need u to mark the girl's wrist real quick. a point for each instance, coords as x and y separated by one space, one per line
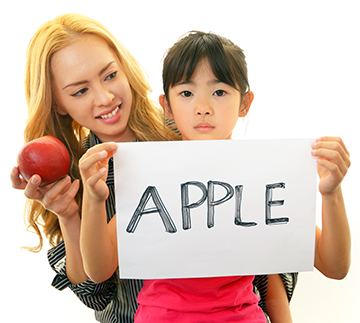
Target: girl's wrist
334 196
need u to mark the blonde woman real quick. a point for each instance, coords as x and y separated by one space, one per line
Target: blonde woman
82 85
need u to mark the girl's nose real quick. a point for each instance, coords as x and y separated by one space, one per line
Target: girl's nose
203 108
103 97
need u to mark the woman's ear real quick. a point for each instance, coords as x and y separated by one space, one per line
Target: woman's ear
165 105
246 104
59 109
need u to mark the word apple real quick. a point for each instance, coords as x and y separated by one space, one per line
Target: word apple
45 156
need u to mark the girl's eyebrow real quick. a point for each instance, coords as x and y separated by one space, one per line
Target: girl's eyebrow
190 82
83 82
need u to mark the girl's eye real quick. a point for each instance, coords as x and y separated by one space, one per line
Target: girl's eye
186 94
219 93
80 93
111 76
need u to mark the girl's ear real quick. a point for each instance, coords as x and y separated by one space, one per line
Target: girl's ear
165 105
246 103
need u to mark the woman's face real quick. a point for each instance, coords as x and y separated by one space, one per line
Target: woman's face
90 85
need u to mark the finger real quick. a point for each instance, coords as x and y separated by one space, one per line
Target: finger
334 146
97 153
333 157
66 203
54 192
68 199
88 161
17 181
32 188
334 139
107 146
333 169
95 178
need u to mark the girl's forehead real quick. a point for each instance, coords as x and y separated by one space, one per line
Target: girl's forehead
202 68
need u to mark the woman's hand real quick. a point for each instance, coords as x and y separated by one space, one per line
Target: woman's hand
333 163
56 197
94 169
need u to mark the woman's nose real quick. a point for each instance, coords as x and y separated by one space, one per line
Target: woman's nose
103 97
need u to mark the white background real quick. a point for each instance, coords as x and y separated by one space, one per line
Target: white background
303 60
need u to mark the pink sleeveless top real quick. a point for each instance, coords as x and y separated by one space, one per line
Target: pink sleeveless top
218 299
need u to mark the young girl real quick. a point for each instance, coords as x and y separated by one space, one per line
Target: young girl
206 91
83 87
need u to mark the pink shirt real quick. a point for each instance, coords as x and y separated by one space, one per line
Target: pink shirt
218 299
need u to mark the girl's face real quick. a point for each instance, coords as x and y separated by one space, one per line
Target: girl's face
91 86
205 108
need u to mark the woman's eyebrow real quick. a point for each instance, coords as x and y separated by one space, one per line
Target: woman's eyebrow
85 81
106 67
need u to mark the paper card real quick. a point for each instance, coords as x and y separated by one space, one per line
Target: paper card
215 208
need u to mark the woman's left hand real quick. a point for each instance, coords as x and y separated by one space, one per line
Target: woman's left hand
333 163
93 167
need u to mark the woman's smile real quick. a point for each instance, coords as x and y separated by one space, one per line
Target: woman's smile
112 116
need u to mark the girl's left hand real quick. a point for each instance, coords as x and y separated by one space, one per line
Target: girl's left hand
333 163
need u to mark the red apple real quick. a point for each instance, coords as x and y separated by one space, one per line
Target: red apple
47 157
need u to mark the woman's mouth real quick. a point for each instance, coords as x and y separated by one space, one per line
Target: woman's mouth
111 114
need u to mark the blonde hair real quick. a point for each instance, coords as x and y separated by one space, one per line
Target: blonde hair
146 119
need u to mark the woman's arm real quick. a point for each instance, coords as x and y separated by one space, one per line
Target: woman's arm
333 242
59 199
98 242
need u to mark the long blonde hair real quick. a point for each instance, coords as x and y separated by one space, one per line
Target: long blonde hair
146 119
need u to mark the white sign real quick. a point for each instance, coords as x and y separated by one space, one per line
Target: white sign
215 208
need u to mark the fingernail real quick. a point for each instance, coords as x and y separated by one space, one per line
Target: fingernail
34 180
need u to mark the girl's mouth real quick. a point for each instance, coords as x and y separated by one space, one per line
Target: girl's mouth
204 127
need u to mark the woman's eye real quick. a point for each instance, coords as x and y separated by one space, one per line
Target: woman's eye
219 93
111 76
80 93
186 94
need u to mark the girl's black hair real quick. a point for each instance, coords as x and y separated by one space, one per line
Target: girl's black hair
226 60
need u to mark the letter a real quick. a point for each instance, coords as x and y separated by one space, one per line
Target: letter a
159 208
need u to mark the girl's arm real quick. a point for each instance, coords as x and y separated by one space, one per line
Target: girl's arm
277 303
98 243
333 243
59 199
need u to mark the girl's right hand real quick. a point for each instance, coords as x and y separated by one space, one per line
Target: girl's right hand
93 167
56 197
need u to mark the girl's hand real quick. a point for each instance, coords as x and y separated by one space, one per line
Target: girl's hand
56 197
333 163
94 169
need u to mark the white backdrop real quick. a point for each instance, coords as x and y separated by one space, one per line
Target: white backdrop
304 69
